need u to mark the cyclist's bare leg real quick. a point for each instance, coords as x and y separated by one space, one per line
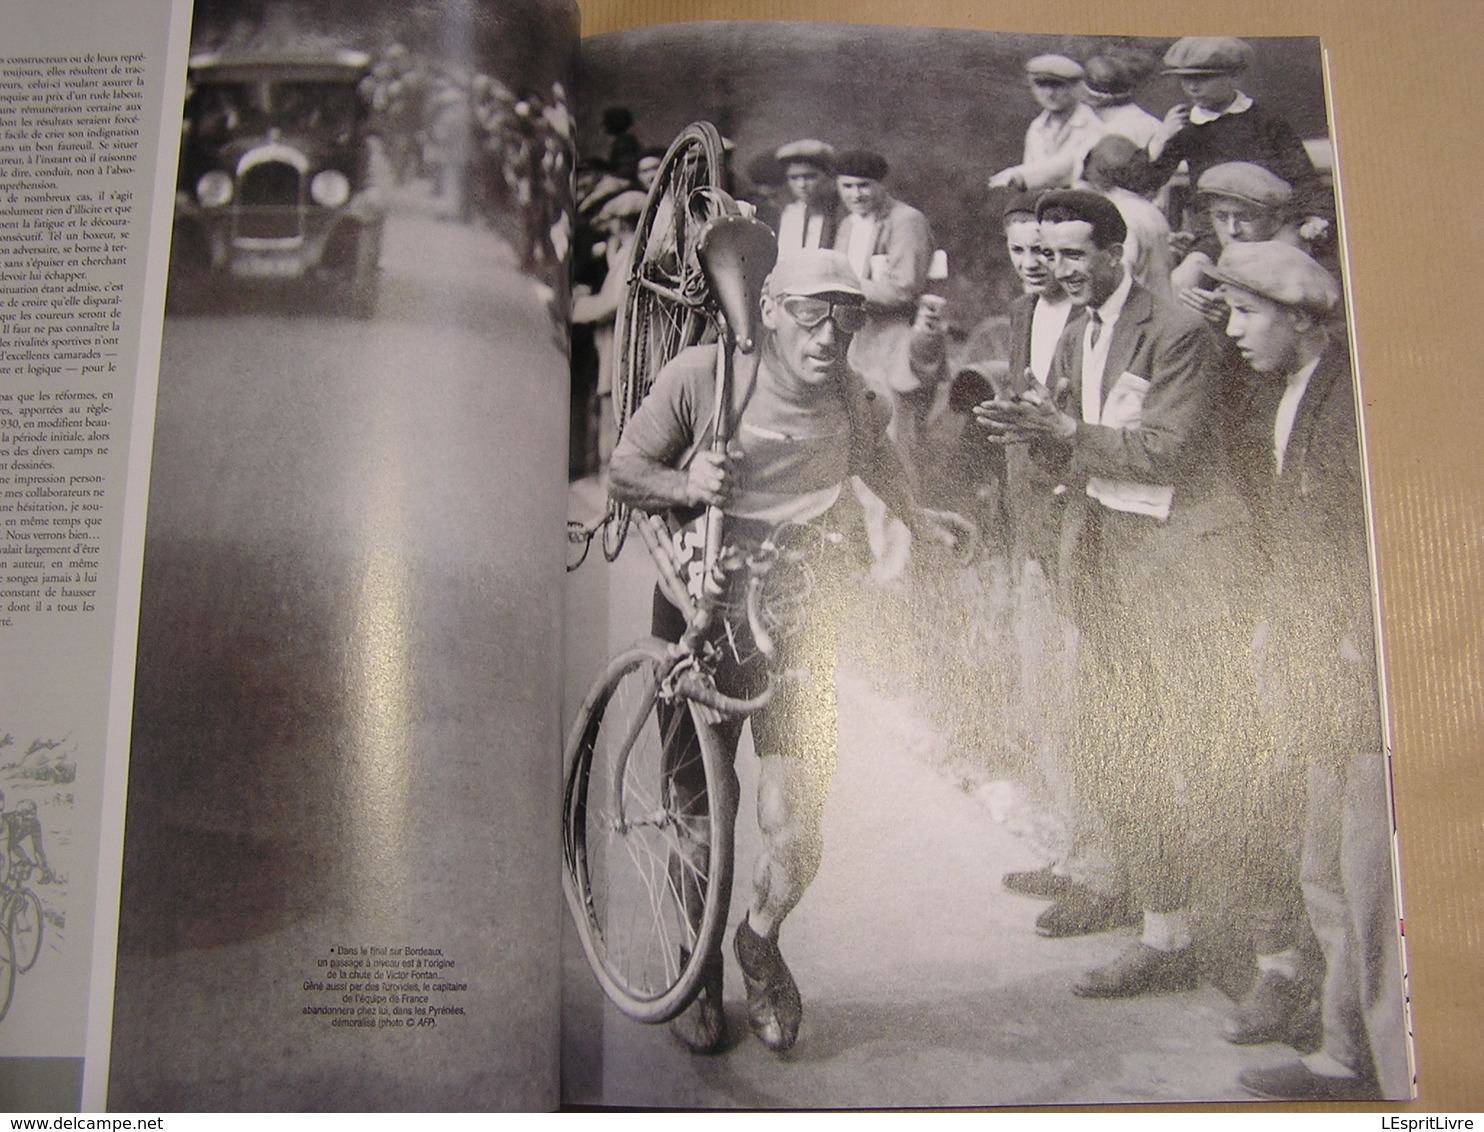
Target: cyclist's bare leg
790 811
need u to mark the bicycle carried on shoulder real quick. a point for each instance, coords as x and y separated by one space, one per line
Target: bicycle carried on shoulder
650 796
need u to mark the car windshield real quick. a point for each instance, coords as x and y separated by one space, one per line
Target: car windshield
226 109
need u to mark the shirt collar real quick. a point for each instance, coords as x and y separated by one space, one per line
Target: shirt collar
1199 115
1113 305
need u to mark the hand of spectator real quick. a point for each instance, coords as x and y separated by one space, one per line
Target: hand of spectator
1315 229
930 315
1031 416
1175 120
1180 244
947 529
1208 304
709 479
1011 178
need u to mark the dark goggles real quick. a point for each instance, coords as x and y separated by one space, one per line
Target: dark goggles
809 312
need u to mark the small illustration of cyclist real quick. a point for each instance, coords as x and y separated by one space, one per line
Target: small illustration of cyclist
20 828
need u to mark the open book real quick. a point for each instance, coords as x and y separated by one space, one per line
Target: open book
308 726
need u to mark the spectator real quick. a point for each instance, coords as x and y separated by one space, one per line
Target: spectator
1060 135
810 219
1222 123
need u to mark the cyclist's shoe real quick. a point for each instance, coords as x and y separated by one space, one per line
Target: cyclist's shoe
702 1026
773 1007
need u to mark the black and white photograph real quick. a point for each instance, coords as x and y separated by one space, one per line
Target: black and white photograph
335 889
970 679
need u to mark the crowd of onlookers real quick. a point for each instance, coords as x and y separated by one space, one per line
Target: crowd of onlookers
1161 429
491 153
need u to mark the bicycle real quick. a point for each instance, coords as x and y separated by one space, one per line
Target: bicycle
649 810
20 941
648 863
21 913
648 814
666 303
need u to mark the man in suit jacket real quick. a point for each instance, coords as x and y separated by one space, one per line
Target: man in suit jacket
1156 548
1297 431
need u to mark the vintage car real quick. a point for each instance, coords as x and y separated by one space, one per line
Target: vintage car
281 184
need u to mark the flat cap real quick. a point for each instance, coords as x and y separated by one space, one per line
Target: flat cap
861 163
1244 181
1057 67
812 150
1279 272
813 271
628 203
1208 55
1108 225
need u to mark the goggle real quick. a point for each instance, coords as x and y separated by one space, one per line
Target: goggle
809 312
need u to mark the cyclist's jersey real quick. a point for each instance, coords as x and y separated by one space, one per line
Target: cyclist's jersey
796 456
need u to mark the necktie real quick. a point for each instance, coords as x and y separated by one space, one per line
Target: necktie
1097 328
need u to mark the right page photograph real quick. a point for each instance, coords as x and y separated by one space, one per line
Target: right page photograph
972 686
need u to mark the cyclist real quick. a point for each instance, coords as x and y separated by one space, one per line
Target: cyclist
803 424
20 826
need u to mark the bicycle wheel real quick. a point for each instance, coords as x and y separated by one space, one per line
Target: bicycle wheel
7 973
664 306
26 925
649 812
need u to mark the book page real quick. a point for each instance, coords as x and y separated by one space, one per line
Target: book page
342 768
82 92
1030 827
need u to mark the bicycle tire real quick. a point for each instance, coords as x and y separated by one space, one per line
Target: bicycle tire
7 973
664 305
26 925
627 836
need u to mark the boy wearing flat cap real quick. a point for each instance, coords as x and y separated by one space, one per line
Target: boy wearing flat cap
1244 203
1300 469
1222 123
810 219
1059 136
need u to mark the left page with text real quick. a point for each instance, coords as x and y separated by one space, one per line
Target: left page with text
83 91
339 772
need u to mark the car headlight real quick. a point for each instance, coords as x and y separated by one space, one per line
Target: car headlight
214 189
330 188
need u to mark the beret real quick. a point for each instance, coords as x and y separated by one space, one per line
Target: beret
1280 272
808 149
1207 55
1244 181
1057 67
1108 225
861 163
1020 203
813 271
765 169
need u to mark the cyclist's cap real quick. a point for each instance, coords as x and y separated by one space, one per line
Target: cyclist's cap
814 271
